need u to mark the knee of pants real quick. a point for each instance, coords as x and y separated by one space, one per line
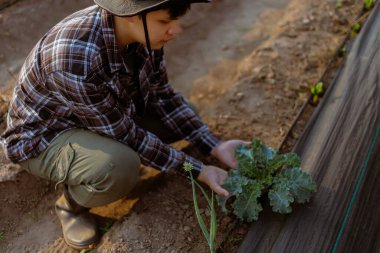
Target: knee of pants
116 175
121 175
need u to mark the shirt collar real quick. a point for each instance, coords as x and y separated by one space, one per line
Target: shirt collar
112 49
114 53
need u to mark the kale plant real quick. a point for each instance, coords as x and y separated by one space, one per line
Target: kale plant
260 169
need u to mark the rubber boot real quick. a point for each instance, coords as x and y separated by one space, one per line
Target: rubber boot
79 227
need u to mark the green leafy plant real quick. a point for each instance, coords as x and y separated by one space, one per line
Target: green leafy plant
106 227
1 236
355 29
368 4
338 4
343 51
316 91
85 250
89 248
209 234
260 169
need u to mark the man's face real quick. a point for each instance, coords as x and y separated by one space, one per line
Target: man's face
161 28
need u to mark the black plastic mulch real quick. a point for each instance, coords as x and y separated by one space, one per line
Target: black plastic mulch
340 147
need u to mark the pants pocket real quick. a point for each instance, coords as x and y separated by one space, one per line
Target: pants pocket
63 163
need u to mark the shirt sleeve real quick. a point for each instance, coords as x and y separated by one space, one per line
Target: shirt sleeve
93 107
176 114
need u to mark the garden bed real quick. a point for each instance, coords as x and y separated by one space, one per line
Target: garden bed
248 81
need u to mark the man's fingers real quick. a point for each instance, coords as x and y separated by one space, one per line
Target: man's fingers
224 193
220 191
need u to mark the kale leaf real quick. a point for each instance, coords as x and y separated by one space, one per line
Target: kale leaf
260 169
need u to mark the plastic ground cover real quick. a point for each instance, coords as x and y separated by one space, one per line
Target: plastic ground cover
340 147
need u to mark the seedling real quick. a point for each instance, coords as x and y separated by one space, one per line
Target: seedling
91 247
316 91
106 227
343 51
338 4
1 236
355 29
210 235
261 170
368 4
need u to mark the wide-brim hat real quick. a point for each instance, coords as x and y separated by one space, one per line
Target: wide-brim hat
134 7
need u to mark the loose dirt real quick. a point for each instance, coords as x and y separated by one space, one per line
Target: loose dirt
247 66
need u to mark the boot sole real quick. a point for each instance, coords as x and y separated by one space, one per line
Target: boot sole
81 247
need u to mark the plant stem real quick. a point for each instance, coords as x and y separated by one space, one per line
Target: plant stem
209 235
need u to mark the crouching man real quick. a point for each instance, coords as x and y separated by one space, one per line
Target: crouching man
92 102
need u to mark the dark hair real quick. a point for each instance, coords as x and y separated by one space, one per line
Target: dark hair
176 8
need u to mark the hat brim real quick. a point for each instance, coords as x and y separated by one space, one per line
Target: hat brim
126 8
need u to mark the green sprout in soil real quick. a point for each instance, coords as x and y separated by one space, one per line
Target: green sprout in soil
355 29
235 240
261 170
368 4
338 4
210 234
343 51
316 91
1 236
106 227
87 250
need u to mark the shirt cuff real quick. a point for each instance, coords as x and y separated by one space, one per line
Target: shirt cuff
196 165
205 141
212 142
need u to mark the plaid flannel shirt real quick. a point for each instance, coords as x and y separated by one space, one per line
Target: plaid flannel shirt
77 77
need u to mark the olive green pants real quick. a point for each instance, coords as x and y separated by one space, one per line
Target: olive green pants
97 170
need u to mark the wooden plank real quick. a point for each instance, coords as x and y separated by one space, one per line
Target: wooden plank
338 149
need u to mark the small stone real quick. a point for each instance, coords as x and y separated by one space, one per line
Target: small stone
227 219
184 206
186 228
257 70
226 47
305 21
241 231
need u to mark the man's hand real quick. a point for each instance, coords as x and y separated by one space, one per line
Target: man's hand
214 178
225 152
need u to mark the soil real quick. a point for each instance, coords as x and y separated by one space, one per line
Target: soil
247 66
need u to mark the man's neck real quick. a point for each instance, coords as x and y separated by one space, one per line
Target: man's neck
123 38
